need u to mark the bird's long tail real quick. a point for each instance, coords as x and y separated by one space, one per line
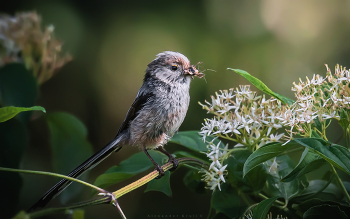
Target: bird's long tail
95 159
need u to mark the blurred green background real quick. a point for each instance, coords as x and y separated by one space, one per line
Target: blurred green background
113 41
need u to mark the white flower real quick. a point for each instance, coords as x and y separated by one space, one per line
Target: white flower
330 116
274 167
224 151
243 90
222 125
226 107
220 172
317 80
214 149
244 122
214 183
227 95
276 137
208 127
215 159
346 76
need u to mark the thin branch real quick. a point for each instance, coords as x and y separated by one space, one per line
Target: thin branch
154 174
52 174
108 198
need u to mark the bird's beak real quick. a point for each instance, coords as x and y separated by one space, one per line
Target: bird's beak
193 72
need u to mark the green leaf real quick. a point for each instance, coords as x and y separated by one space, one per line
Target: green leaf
160 185
193 181
70 147
265 153
347 185
253 182
13 140
18 87
262 209
344 121
287 190
192 140
331 193
325 211
337 155
304 206
8 112
22 215
227 201
309 161
261 86
135 164
220 216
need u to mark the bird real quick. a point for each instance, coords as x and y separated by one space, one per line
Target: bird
154 117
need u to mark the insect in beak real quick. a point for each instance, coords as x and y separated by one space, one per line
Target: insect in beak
194 72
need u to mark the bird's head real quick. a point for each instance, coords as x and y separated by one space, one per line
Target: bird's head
172 67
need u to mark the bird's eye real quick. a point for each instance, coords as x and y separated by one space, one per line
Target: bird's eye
174 67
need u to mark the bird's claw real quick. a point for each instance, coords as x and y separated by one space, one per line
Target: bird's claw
175 163
113 199
160 171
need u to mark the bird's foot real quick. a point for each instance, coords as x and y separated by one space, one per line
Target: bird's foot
112 197
160 171
175 163
172 159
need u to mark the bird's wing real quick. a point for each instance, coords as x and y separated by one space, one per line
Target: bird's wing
137 105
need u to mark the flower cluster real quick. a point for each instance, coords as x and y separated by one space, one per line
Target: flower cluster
252 121
244 117
319 98
215 175
23 41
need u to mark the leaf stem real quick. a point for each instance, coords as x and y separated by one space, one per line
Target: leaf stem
265 197
227 137
50 211
52 174
230 151
340 183
210 210
319 191
246 201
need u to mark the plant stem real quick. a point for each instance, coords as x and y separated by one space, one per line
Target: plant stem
265 197
227 137
52 174
340 183
66 210
346 137
230 151
50 211
210 209
319 191
324 127
246 201
262 134
107 199
140 182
